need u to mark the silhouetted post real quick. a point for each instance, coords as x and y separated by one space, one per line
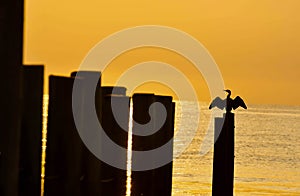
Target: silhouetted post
141 180
223 165
113 90
63 172
31 132
155 181
113 180
11 45
85 76
91 165
163 175
117 96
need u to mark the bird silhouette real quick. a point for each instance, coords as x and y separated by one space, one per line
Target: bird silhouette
228 103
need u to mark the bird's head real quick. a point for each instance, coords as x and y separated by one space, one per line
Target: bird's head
228 91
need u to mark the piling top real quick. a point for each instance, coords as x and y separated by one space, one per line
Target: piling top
157 97
143 95
34 66
85 73
164 97
113 90
113 96
60 77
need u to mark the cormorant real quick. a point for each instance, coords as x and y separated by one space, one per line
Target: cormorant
229 103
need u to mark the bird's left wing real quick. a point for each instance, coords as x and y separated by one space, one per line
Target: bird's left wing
237 102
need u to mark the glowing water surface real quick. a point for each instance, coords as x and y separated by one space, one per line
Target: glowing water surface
267 152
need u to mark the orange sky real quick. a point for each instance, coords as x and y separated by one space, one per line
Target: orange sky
254 42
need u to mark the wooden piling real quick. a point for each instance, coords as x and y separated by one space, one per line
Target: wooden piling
155 181
141 180
113 180
113 90
163 175
63 172
31 131
91 165
11 53
141 104
116 95
223 165
85 76
99 177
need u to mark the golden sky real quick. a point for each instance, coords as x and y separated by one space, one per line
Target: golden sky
254 42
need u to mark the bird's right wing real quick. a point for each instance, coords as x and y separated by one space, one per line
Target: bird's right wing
218 102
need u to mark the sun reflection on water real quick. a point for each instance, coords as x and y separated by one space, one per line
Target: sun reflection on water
44 141
129 150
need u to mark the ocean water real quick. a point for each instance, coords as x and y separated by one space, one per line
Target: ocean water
267 150
267 153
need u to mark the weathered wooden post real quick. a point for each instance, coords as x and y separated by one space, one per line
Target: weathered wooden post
99 177
91 165
63 172
163 175
115 95
113 180
141 180
31 131
154 181
11 53
223 165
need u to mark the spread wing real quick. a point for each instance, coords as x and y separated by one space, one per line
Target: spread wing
218 102
237 102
